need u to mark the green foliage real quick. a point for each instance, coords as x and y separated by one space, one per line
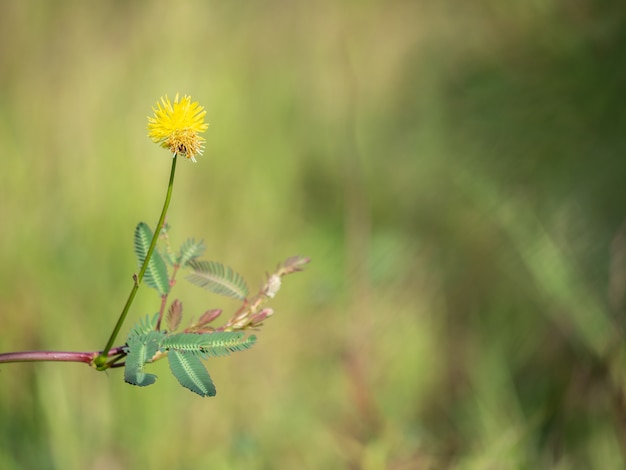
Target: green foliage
191 374
185 352
218 279
189 251
146 341
156 273
144 326
207 345
141 349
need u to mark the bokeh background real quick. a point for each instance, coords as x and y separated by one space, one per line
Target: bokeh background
455 170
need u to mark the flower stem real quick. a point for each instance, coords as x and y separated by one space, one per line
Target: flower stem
101 360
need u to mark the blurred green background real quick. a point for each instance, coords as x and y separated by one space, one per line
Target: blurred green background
455 170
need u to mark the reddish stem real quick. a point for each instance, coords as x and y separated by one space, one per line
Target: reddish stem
55 356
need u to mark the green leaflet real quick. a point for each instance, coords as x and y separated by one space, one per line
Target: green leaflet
141 348
207 345
144 326
190 373
156 273
218 279
189 251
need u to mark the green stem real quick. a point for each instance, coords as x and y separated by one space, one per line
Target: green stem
101 360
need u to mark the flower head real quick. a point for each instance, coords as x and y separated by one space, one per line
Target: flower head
176 126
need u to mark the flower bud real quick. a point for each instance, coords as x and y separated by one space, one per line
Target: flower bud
258 318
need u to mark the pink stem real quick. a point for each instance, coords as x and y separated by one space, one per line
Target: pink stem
54 356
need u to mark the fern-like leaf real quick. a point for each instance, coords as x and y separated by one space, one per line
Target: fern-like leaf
218 279
189 251
191 374
140 350
156 272
207 345
185 342
224 343
144 326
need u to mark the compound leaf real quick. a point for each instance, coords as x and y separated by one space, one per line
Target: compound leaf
205 345
144 326
191 374
141 349
189 251
218 279
224 343
156 272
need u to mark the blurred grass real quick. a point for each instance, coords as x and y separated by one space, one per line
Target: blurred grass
455 171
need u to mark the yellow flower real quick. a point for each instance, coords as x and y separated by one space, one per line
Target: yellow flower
177 126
